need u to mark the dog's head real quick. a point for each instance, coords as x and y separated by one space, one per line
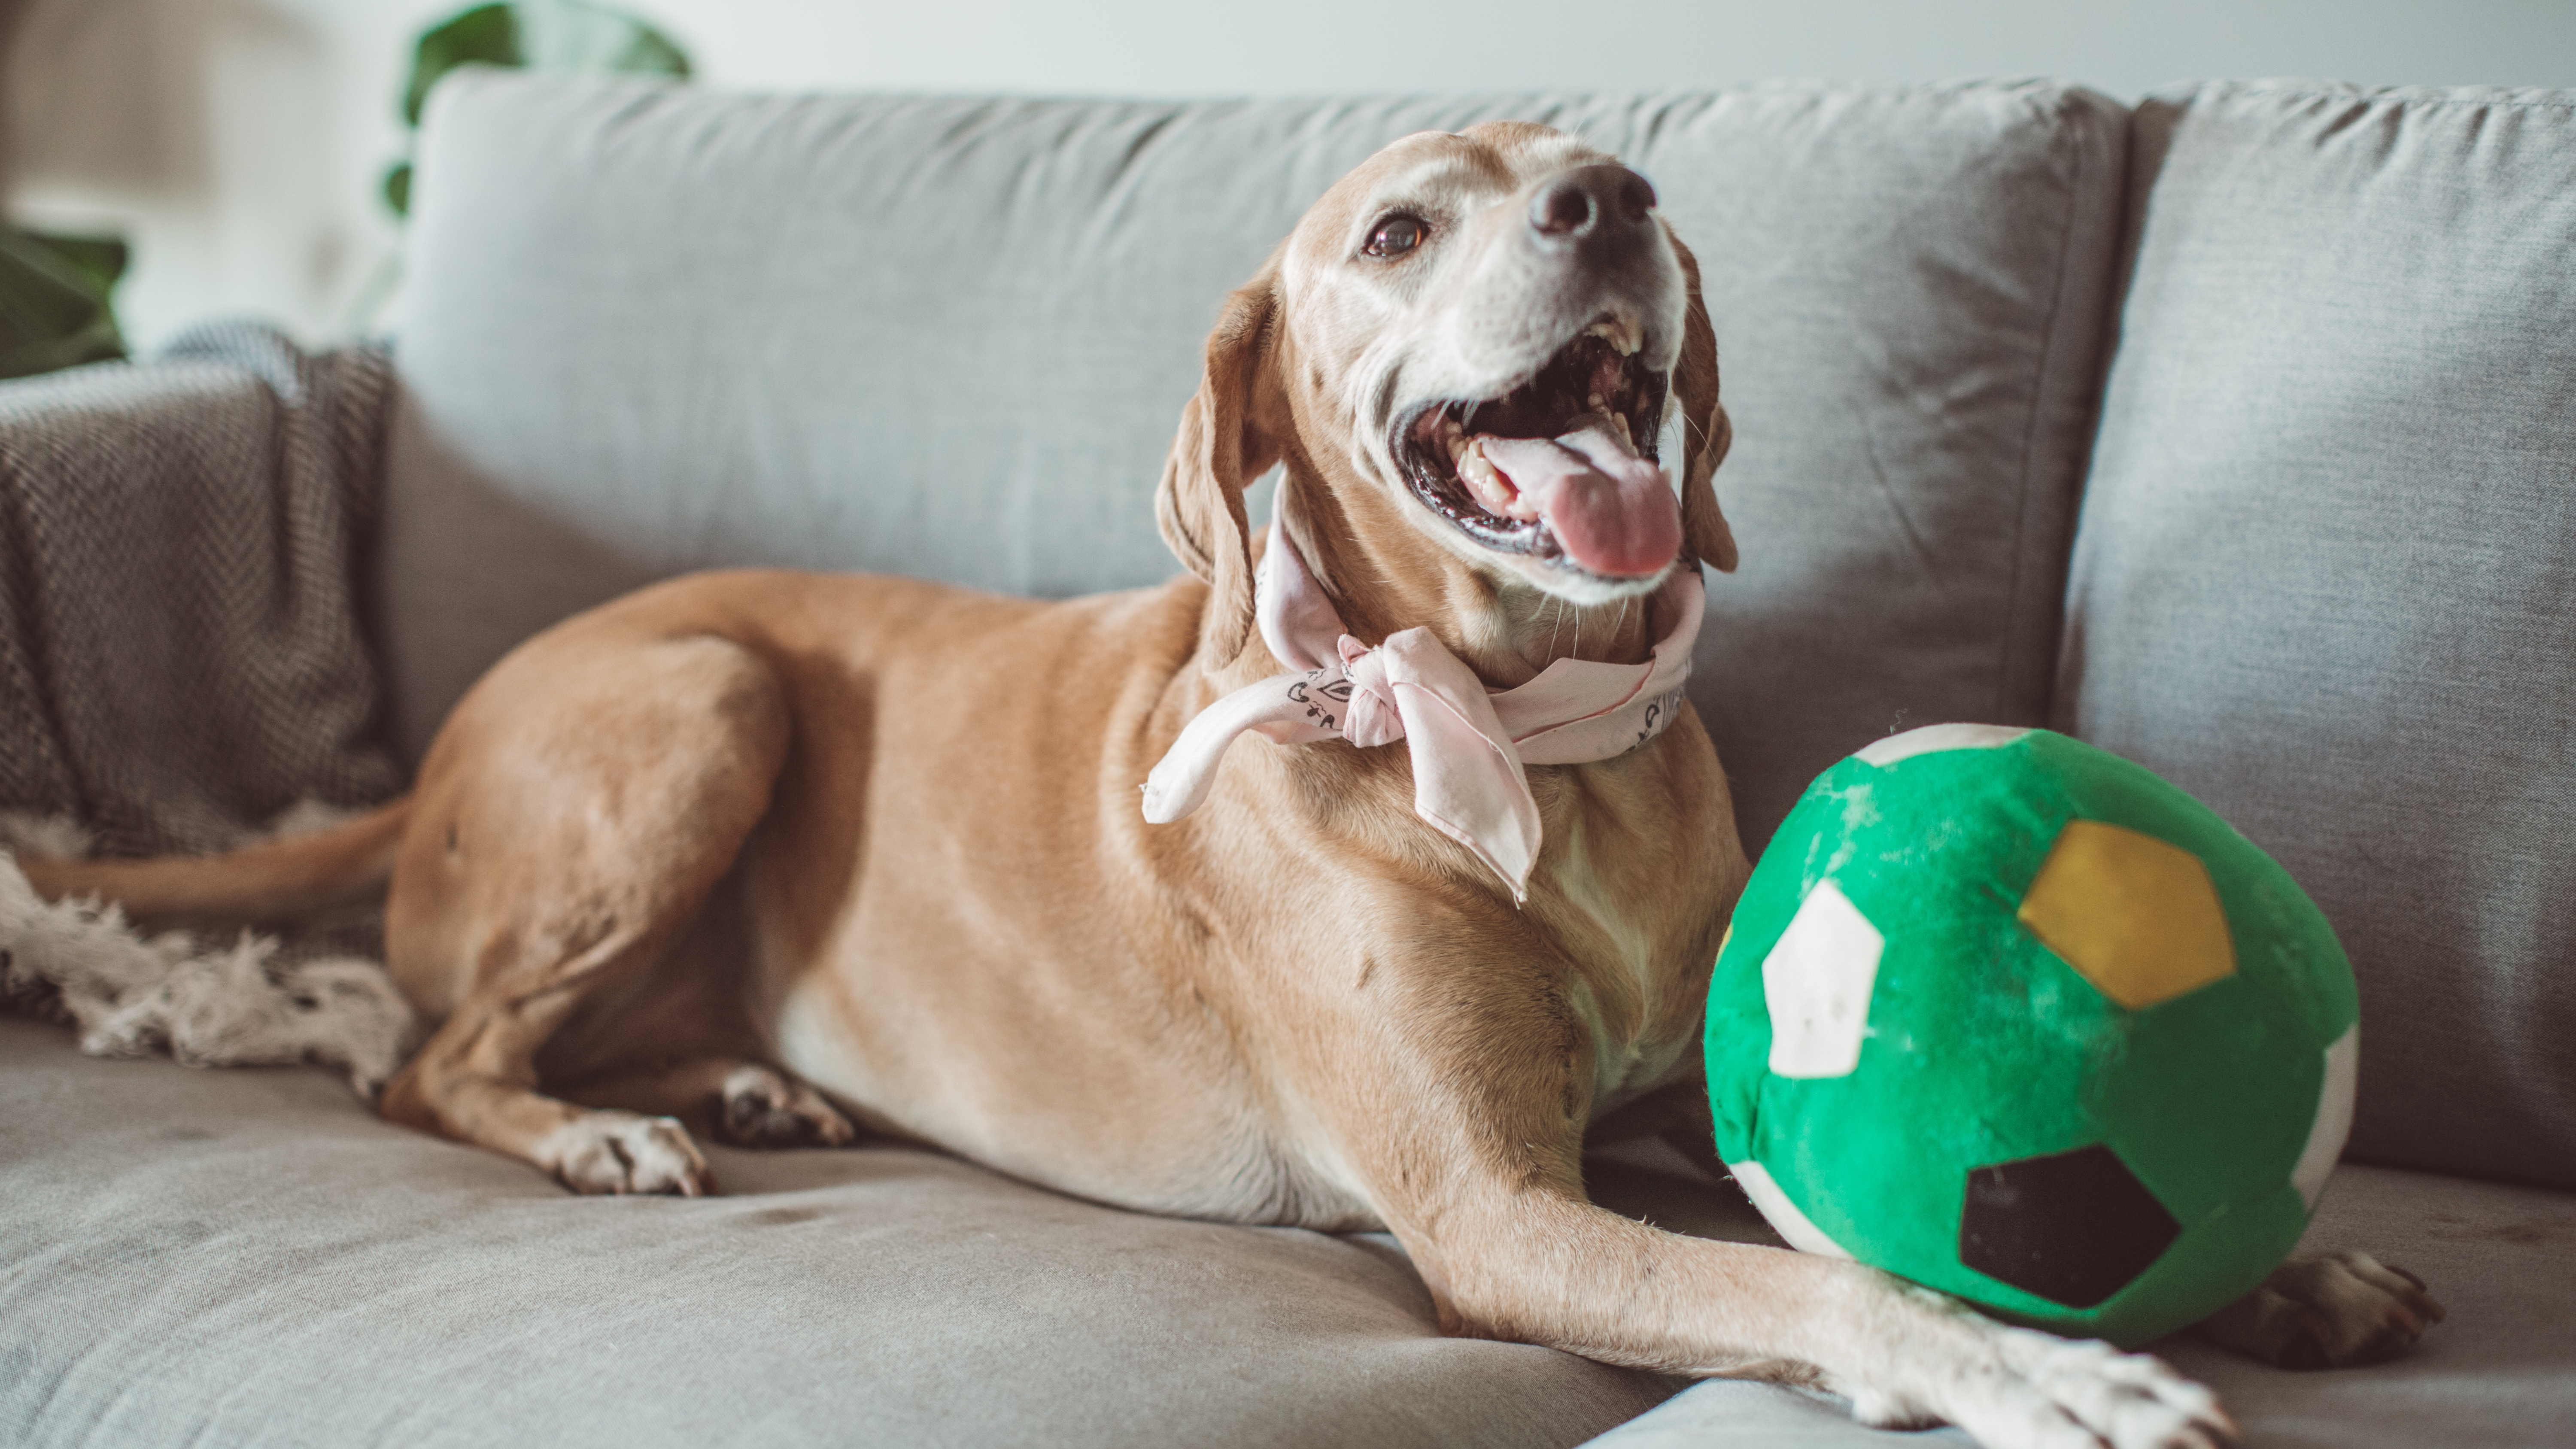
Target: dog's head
1474 353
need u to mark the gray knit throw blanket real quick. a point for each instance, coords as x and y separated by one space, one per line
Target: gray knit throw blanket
180 649
182 662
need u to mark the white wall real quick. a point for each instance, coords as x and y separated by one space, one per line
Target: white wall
238 143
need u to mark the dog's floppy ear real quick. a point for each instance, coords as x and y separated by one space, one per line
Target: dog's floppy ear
1217 453
1706 433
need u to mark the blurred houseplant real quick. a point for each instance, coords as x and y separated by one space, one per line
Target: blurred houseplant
55 301
556 35
56 292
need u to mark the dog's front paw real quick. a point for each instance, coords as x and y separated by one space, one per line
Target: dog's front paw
2336 1310
621 1152
2029 1390
763 1108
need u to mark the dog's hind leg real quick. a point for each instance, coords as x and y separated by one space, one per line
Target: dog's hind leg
744 1103
569 824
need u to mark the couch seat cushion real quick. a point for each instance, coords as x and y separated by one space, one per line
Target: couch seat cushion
251 1257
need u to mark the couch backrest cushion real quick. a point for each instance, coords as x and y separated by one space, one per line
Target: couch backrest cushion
648 329
1912 288
2326 572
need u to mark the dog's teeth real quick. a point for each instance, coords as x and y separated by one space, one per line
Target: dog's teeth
1622 333
1484 480
1458 446
1625 436
1598 405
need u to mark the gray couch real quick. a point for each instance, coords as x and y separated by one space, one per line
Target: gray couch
2236 434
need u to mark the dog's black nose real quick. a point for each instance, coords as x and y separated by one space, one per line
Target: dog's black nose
1591 199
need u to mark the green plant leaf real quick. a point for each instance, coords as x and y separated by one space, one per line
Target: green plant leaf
55 301
484 35
559 35
565 35
102 259
575 35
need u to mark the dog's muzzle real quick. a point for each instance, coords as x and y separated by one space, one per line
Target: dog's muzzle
1563 466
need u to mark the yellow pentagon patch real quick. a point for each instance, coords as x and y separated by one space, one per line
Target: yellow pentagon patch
2136 916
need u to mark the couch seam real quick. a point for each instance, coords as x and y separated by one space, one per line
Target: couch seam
2048 349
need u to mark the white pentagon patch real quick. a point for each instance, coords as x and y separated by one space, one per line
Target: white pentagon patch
2334 1118
1780 1213
1817 982
1932 739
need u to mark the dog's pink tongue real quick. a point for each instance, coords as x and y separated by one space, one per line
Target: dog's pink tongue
1613 510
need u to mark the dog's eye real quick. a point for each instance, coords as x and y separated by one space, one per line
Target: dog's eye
1395 236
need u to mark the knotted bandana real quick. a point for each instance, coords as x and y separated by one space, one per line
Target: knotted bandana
1469 743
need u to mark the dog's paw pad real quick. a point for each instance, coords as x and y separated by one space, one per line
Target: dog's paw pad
764 1108
620 1152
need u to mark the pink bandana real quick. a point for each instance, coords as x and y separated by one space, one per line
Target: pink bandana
1469 743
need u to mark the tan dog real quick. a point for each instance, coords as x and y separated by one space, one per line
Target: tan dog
886 835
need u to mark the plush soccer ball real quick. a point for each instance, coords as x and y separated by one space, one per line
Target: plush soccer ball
2012 1017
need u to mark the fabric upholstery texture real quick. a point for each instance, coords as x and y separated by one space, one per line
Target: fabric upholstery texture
2325 578
250 1257
180 651
649 329
1911 287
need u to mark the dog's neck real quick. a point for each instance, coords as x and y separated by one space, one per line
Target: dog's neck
1384 574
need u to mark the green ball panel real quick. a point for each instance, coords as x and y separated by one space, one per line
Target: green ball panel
2202 1101
1983 1046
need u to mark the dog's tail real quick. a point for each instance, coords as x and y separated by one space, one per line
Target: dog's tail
282 879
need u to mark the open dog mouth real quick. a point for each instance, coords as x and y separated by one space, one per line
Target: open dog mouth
1562 467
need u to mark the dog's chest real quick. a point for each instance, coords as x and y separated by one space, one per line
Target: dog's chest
1624 984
